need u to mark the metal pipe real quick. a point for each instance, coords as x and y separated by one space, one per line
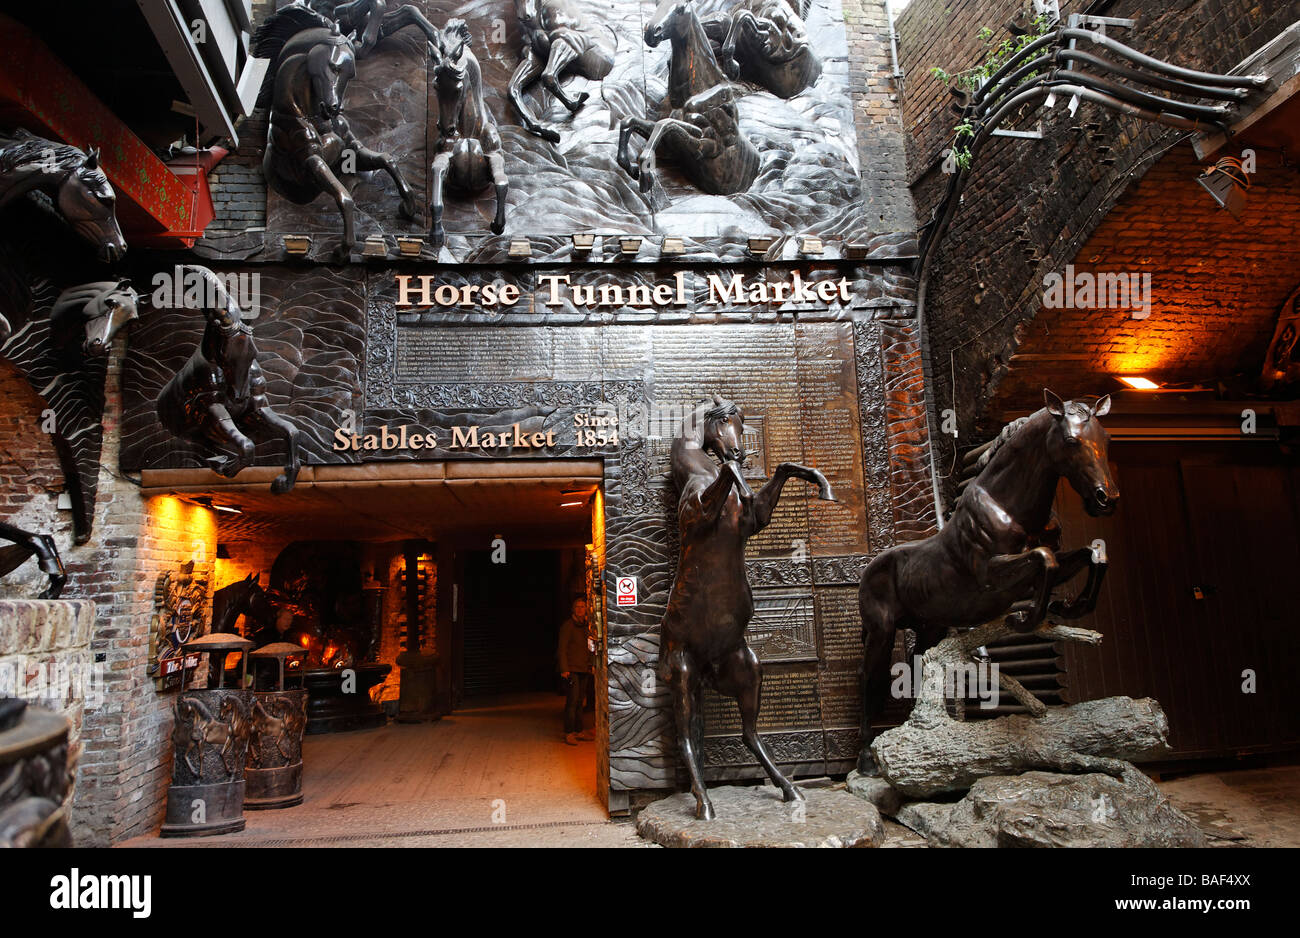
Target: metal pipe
1213 113
1165 68
1012 62
893 48
1157 81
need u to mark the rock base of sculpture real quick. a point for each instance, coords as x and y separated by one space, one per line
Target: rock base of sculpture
755 816
874 789
1048 809
932 753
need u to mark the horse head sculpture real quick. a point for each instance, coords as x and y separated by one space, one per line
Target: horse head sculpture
1078 451
450 67
242 598
724 431
74 182
93 313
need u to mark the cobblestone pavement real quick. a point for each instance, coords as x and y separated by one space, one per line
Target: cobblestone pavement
500 775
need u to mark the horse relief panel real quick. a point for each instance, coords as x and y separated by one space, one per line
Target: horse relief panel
575 118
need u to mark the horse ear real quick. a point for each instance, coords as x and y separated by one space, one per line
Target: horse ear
92 158
1102 407
250 578
1055 406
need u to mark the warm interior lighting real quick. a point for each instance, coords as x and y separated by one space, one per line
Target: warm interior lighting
571 504
1138 383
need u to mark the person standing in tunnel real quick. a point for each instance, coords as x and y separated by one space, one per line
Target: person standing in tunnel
575 653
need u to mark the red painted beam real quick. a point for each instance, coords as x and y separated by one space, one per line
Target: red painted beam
40 93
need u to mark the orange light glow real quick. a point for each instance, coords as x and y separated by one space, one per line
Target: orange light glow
1138 383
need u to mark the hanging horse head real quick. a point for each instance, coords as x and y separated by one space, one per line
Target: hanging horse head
1078 450
73 181
92 314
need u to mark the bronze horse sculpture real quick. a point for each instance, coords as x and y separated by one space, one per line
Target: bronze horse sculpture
999 554
74 182
308 138
217 400
702 128
372 20
556 42
81 194
468 156
710 605
87 317
242 598
764 41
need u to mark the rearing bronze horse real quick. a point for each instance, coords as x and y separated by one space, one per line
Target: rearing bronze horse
999 553
710 605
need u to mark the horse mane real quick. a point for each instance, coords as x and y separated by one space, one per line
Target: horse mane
274 34
79 297
22 146
224 298
1005 434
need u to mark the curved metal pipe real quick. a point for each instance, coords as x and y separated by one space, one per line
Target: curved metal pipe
1215 113
1165 68
1157 81
1010 81
1011 63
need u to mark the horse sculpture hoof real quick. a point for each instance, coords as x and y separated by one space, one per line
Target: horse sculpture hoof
547 134
576 105
793 794
55 587
704 811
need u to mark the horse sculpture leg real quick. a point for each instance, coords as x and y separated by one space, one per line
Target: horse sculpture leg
687 690
878 608
262 421
47 557
497 164
562 54
440 164
325 177
670 128
740 675
630 126
219 427
768 496
739 19
372 159
1069 565
1009 571
527 73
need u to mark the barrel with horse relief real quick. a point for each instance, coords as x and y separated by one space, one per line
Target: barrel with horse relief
273 776
210 745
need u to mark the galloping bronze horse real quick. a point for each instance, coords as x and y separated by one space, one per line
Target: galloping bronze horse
468 156
764 41
308 137
702 129
999 553
558 42
218 398
710 605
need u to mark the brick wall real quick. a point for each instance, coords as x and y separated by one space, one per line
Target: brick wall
1031 205
887 202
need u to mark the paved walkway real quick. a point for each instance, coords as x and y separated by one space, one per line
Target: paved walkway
493 775
500 775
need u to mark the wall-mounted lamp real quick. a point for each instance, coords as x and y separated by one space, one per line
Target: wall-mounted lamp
583 242
857 251
812 245
672 247
297 245
205 501
410 246
374 247
1227 183
629 246
1138 383
520 248
760 244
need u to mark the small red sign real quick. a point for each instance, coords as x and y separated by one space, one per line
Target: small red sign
626 590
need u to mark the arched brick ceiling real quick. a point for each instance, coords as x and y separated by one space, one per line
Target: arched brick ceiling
1216 286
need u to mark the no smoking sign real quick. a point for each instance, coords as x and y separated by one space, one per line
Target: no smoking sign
626 590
